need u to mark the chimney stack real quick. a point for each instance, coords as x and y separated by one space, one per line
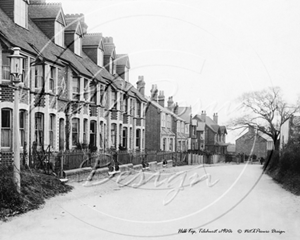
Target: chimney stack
216 118
154 93
203 116
170 103
176 108
140 85
161 98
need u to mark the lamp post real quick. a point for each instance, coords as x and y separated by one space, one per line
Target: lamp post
16 67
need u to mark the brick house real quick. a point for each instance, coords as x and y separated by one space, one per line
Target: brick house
254 143
165 131
211 136
75 91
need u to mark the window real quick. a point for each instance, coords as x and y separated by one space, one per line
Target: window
39 129
138 109
102 95
52 79
93 131
5 66
143 140
125 104
6 127
164 144
138 138
59 34
85 126
131 107
112 66
38 77
124 135
75 131
101 132
93 88
21 13
130 138
168 121
51 130
24 77
61 134
163 120
113 135
179 146
76 89
86 90
22 127
171 144
99 57
114 99
77 44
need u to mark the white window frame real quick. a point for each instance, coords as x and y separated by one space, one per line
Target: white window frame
59 34
100 56
20 13
77 44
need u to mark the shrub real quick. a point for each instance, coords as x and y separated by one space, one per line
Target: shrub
272 162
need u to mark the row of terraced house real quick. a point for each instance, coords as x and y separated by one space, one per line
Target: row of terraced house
76 89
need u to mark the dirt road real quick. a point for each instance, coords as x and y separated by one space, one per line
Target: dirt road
191 202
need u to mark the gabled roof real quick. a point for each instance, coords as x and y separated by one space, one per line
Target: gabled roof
122 59
211 124
128 88
168 132
73 26
109 49
93 39
265 136
165 110
44 11
34 41
185 113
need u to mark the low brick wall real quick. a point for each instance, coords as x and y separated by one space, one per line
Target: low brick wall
78 175
88 174
126 167
152 166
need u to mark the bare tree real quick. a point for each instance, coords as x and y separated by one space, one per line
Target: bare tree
265 111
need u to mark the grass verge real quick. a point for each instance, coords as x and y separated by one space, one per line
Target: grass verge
35 188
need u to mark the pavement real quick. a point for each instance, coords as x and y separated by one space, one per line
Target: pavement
226 201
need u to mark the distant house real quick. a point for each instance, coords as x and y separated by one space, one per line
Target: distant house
231 148
165 131
289 130
210 136
254 143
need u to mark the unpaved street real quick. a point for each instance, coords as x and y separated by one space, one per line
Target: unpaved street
222 201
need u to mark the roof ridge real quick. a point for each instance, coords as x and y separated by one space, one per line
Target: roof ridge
74 15
40 3
93 34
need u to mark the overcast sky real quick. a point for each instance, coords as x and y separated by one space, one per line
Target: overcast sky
203 53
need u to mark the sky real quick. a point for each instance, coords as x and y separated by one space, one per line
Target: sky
203 53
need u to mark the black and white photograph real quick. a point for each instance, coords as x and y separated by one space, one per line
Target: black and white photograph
149 119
